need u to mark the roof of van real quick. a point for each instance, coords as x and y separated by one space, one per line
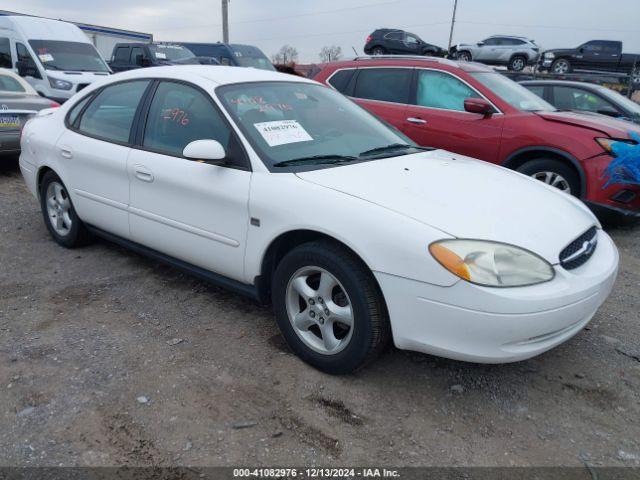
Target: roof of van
35 28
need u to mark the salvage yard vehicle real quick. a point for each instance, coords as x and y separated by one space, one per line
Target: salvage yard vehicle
513 52
18 102
129 56
284 190
470 109
585 97
391 41
595 55
55 57
232 54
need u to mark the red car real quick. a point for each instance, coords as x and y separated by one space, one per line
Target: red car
470 109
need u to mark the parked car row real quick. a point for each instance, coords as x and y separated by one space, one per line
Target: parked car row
355 234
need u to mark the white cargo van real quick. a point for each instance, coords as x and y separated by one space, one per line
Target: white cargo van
55 57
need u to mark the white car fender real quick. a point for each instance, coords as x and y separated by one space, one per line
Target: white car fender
284 203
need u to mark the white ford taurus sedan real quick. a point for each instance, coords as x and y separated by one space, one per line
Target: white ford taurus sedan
286 191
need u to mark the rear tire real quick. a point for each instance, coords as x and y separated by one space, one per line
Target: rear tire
59 215
517 63
378 50
555 173
329 307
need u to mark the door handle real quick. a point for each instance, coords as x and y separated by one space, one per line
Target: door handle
417 121
66 152
143 173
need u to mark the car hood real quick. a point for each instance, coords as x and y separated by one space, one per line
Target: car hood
465 198
599 123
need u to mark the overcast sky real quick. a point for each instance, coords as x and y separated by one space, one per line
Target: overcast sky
310 24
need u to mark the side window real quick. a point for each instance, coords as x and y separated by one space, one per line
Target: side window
110 115
386 84
180 114
568 98
410 39
340 80
491 42
122 55
393 36
537 89
441 90
135 51
593 47
5 53
25 56
76 109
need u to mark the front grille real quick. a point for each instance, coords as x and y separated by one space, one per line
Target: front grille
580 250
81 86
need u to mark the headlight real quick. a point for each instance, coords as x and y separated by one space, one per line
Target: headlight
549 55
491 264
60 84
608 144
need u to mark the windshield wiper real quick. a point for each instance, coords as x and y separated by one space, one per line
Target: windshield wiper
316 160
393 146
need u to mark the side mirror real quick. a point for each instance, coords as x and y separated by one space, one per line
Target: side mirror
24 69
480 44
478 105
205 151
610 112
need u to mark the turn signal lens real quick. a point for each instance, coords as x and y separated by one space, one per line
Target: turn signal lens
450 260
491 264
607 143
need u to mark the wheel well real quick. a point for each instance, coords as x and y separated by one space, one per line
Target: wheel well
41 174
519 54
465 51
279 247
520 159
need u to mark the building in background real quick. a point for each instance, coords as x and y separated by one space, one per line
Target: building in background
103 38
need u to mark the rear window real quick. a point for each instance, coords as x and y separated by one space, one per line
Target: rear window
9 84
384 84
340 79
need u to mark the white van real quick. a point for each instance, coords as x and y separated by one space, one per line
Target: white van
55 57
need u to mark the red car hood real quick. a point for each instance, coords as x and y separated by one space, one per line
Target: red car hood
594 121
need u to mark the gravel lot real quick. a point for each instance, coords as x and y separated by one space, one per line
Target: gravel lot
108 358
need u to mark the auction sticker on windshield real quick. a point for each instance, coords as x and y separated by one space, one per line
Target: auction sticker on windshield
282 132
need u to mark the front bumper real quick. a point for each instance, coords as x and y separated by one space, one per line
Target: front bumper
491 325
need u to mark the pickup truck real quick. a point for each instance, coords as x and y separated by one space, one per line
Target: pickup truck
595 55
127 56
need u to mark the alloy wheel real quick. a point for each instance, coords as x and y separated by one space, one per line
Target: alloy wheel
464 57
553 179
59 208
378 51
319 310
517 64
561 66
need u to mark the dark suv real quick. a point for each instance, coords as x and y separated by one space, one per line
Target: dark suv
127 56
386 40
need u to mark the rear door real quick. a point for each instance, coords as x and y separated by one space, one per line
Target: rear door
437 117
385 92
192 211
94 150
487 51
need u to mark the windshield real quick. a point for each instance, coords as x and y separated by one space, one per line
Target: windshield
171 52
511 92
74 56
625 102
247 56
10 84
294 124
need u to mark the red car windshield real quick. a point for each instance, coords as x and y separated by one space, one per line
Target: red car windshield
513 93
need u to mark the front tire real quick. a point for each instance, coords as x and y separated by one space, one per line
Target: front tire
517 63
329 307
561 66
60 216
554 173
464 56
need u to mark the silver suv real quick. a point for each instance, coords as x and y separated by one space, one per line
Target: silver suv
514 52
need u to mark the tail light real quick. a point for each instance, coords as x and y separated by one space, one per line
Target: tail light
369 38
54 104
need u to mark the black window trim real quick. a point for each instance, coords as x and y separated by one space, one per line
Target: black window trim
350 84
141 124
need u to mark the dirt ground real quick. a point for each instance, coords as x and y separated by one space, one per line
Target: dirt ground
108 358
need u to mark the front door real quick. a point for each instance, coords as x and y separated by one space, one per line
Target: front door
438 118
192 211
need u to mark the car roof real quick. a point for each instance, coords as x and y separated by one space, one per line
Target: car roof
411 61
220 74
